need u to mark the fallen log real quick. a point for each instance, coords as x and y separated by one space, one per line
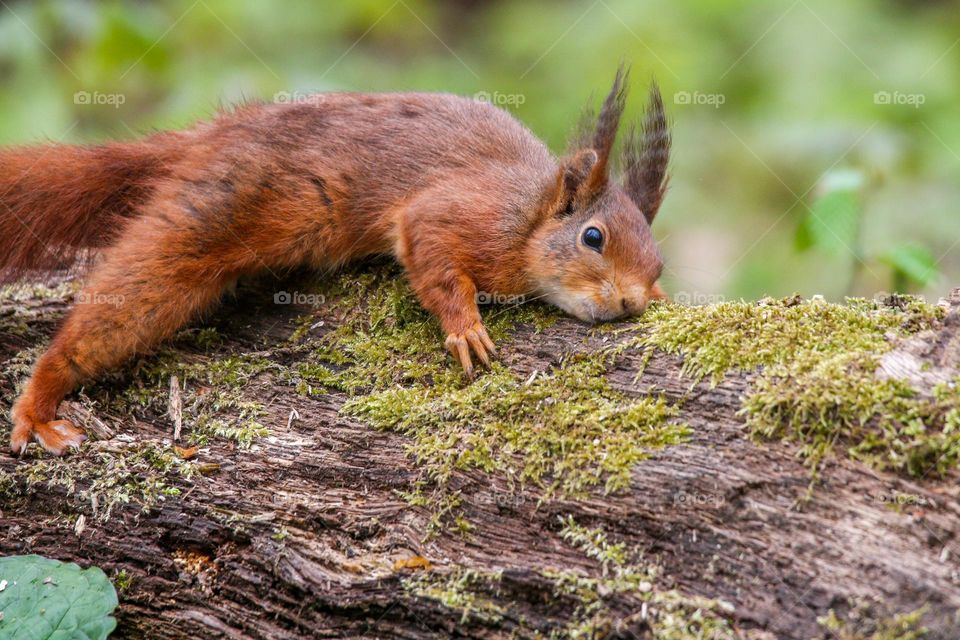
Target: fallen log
309 508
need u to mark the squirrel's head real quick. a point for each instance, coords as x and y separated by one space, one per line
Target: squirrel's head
592 252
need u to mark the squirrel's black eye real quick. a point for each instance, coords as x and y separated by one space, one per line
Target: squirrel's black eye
593 238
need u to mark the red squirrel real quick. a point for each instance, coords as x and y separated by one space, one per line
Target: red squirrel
463 195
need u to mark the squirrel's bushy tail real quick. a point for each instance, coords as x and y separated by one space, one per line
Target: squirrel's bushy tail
58 200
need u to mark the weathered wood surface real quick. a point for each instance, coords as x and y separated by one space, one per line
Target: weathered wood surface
720 515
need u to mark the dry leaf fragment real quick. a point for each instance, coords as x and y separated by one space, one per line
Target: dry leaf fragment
413 562
187 453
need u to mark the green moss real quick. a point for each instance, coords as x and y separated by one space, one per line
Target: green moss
207 338
464 590
594 544
746 335
566 431
821 402
384 337
443 505
100 481
670 614
12 325
145 473
213 398
906 626
816 384
592 606
122 581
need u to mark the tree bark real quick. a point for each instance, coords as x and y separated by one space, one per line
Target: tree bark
299 536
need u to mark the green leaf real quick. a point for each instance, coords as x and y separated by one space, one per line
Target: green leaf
912 262
46 599
832 222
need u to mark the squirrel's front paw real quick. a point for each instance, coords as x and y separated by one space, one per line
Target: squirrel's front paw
475 338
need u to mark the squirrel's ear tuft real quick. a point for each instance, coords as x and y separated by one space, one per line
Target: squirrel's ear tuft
608 122
599 131
645 158
572 181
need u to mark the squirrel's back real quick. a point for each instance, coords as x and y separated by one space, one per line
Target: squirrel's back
389 144
360 153
438 129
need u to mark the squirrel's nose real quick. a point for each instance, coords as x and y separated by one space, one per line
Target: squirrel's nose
633 307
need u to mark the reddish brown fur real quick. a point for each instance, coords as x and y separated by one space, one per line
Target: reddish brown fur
461 193
56 200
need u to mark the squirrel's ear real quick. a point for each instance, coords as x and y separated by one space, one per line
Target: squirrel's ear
572 181
606 128
598 131
577 169
645 158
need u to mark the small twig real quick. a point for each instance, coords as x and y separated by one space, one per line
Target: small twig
88 420
175 407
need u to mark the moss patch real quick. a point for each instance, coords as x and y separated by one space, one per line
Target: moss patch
464 590
589 606
565 430
384 337
817 384
99 482
906 626
213 398
671 615
746 335
835 400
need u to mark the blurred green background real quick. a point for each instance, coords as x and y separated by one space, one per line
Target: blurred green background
817 142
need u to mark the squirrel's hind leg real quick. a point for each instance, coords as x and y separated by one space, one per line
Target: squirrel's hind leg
150 284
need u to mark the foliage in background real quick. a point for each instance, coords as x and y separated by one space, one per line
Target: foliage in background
768 99
834 224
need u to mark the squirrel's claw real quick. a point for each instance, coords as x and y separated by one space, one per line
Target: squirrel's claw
18 443
475 338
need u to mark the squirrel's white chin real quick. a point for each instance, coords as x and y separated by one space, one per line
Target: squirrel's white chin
582 308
